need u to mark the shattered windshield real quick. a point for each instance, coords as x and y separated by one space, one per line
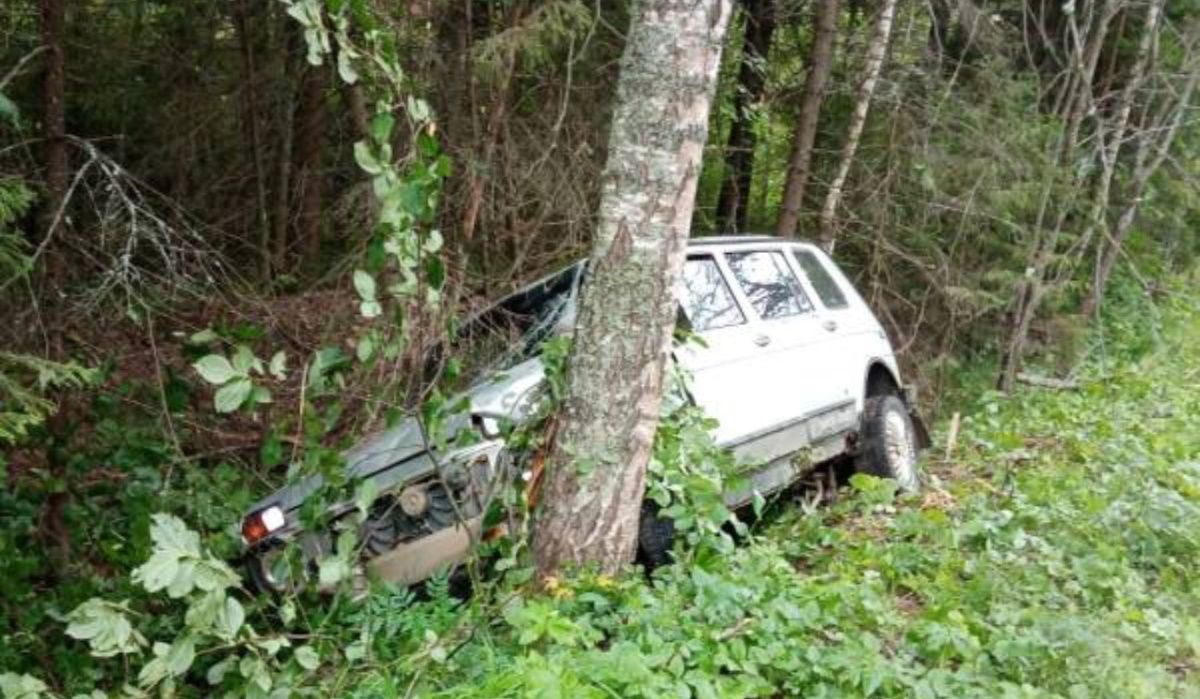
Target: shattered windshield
512 330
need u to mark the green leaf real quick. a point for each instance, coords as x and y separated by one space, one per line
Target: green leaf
216 673
14 686
370 309
203 337
232 395
278 367
308 658
105 627
183 652
215 369
364 284
9 110
366 160
418 110
331 571
435 272
232 619
345 65
381 126
243 360
365 349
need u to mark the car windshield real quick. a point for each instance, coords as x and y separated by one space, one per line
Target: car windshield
512 330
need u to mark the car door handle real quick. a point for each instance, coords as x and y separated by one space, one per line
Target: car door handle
762 340
830 325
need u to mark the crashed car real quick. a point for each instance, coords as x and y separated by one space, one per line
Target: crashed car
793 366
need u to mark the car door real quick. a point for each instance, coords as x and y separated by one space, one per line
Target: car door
791 373
715 360
853 335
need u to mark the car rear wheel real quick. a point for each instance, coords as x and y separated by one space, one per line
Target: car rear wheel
888 442
656 536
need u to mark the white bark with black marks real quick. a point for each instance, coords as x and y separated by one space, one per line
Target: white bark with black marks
596 468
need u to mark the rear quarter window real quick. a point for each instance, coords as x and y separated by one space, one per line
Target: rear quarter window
822 281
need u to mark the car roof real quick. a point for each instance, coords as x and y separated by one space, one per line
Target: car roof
716 240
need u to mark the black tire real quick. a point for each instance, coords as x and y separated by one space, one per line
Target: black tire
888 442
656 538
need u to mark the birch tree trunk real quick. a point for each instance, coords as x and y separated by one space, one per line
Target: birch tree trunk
800 166
596 468
858 120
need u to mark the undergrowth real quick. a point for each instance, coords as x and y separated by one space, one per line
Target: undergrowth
1050 555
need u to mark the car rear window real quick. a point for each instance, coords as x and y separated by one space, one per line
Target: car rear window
769 284
822 282
705 297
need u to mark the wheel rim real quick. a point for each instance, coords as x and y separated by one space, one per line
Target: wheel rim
899 449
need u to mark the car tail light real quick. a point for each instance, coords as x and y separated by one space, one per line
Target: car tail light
258 525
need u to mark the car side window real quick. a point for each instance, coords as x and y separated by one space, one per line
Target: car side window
705 296
822 282
769 284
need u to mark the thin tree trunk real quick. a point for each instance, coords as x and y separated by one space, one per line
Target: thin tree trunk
54 129
1145 168
858 120
1078 99
250 110
54 529
733 202
800 166
596 467
1111 142
309 146
285 118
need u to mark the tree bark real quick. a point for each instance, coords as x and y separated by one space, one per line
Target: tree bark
858 120
54 129
800 165
596 467
250 124
310 142
734 199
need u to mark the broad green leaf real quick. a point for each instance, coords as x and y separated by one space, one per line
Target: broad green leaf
381 126
307 658
370 309
105 627
243 360
14 686
170 533
331 571
366 159
231 396
345 64
418 110
157 573
365 348
233 618
183 652
215 369
216 673
364 284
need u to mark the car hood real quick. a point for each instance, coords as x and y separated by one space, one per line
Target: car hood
402 453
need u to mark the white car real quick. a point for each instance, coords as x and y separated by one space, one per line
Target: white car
793 366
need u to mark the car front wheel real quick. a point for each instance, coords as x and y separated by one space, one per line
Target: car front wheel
888 442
